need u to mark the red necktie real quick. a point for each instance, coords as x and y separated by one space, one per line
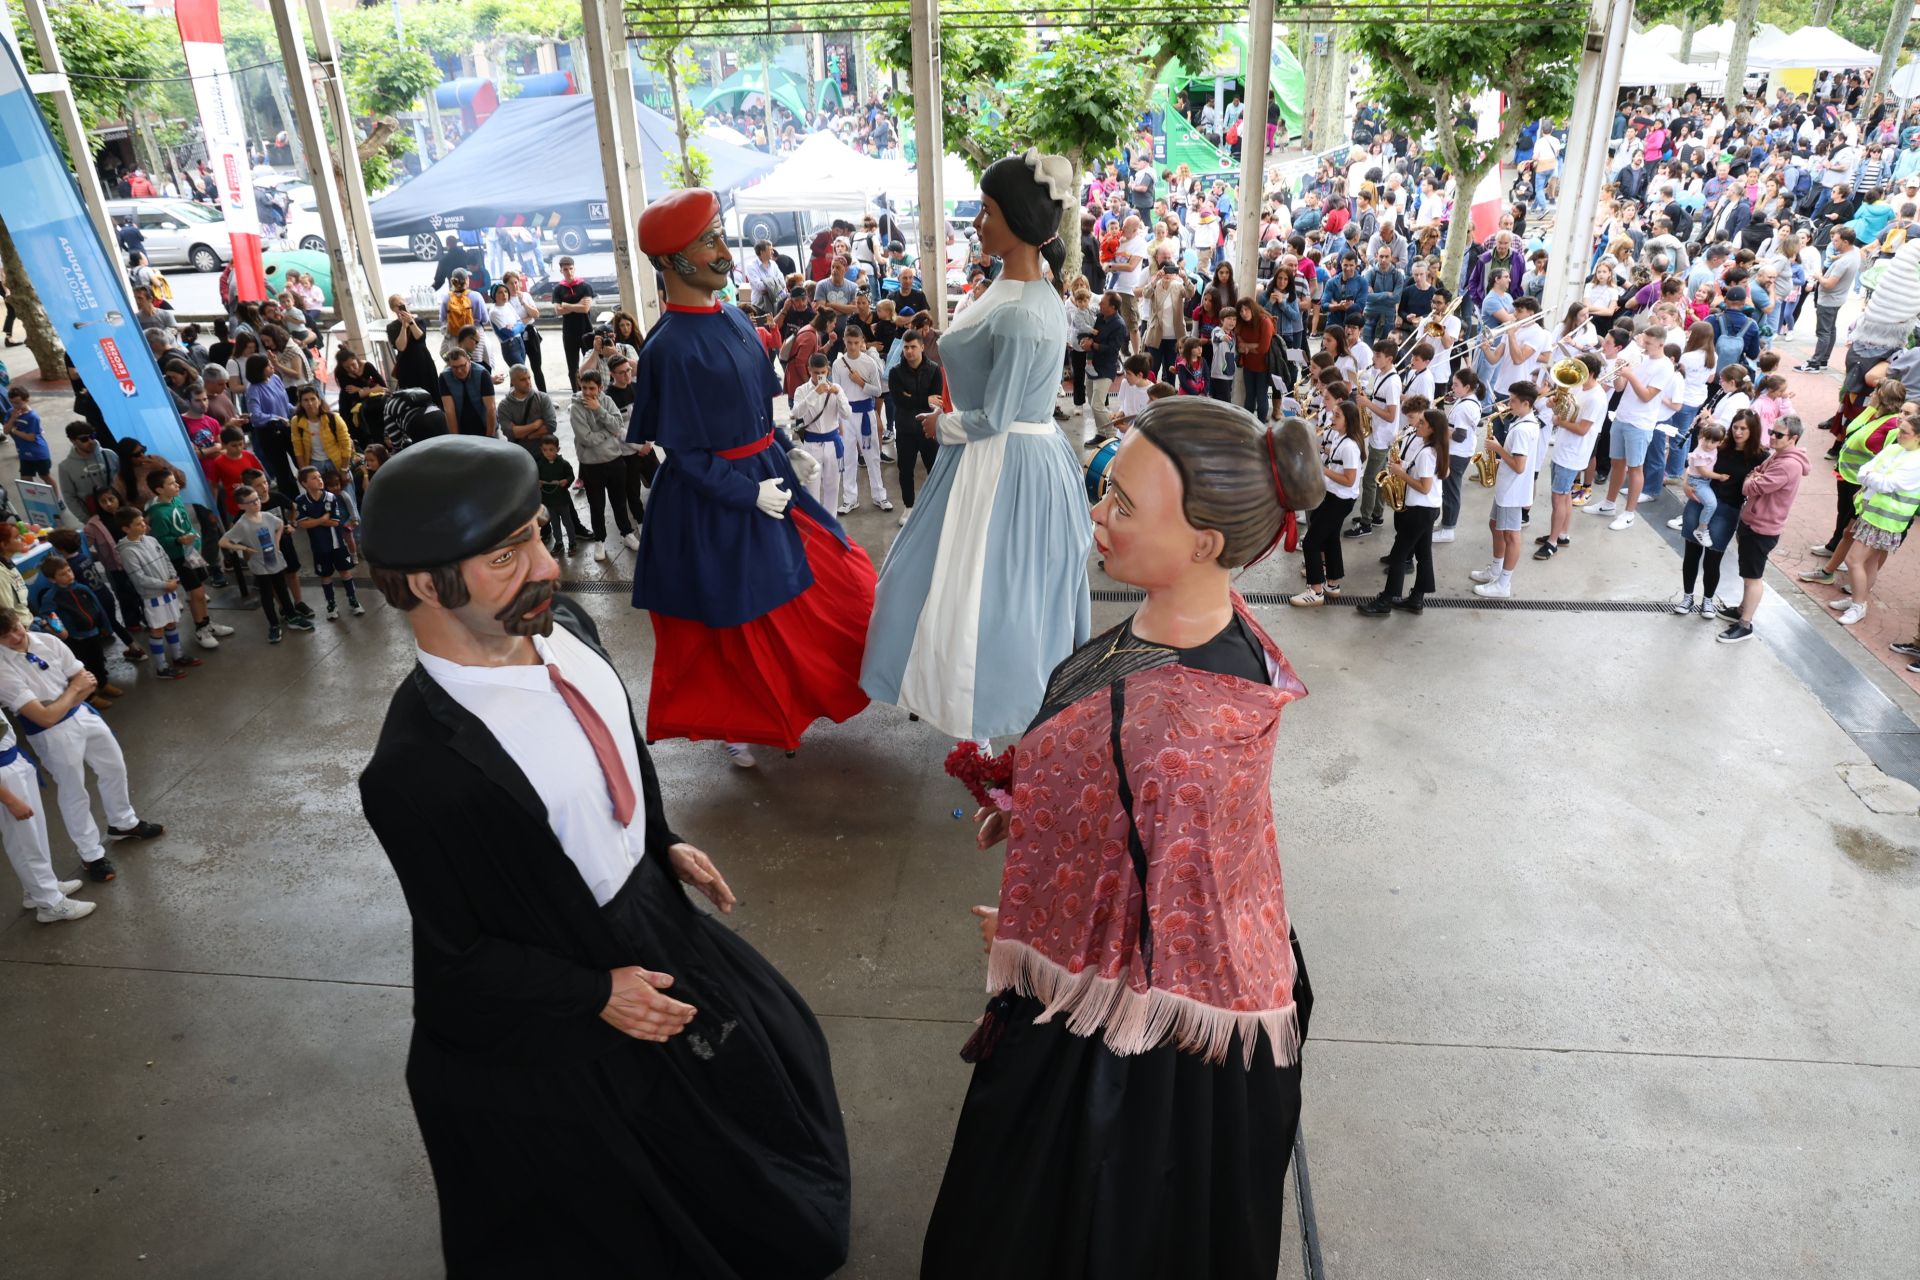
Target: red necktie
619 785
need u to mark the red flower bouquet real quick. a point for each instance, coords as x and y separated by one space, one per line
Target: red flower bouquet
988 778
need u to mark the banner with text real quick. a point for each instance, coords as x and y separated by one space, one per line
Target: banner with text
78 284
224 129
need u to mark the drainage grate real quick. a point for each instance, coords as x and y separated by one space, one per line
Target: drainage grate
597 586
1268 599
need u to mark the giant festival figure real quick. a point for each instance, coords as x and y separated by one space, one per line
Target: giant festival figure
1137 1080
607 1080
985 589
759 601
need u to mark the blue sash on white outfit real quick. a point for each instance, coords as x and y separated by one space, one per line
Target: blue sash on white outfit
865 409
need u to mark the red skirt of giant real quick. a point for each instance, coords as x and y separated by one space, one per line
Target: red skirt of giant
765 681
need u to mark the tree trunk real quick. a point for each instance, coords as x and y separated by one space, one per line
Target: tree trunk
1310 82
1890 48
687 176
1689 27
42 339
1333 103
1460 225
1822 12
1745 15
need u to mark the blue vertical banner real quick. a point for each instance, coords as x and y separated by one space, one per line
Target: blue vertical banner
78 284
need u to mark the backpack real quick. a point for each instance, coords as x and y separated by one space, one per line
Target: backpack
1729 340
459 311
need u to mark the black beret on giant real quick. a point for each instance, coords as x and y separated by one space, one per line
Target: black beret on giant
443 500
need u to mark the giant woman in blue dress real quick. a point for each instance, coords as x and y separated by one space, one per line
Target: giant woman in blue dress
985 589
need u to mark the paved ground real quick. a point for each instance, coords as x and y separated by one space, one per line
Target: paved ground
1614 969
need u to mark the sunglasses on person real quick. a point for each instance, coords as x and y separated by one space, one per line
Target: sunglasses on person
1776 435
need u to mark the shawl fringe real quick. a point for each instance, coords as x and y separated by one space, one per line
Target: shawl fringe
1132 1022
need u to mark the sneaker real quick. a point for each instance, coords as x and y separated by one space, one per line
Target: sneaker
632 540
1800 368
1676 522
1820 550
333 613
134 655
886 454
300 624
66 887
1443 535
1736 633
357 609
100 870
140 830
599 551
169 673
1546 551
1684 605
1493 590
1359 529
66 909
904 515
1308 599
1625 521
1331 589
1855 612
1822 576
884 506
1902 647
1703 536
220 629
1484 575
185 662
1600 508
1582 494
275 635
1839 603
741 755
1709 608
205 639
1526 517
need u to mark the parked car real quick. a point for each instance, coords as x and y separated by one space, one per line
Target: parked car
178 233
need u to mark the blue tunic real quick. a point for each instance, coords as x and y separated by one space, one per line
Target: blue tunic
985 590
707 553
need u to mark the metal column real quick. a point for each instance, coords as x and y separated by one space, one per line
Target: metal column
350 299
604 26
1253 143
1583 164
930 154
353 187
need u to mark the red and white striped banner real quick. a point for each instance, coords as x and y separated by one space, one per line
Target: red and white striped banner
224 130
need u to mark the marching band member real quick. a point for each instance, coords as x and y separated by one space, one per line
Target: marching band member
1441 329
1340 452
1463 441
1420 375
1573 444
1512 490
1381 400
1422 461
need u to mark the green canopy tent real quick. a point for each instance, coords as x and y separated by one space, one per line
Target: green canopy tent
1186 144
789 90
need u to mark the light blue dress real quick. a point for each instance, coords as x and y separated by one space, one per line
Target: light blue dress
985 590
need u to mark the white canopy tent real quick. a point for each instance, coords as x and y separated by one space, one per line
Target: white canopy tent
823 175
1714 43
1644 65
1815 48
1664 38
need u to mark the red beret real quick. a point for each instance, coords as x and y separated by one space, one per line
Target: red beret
673 222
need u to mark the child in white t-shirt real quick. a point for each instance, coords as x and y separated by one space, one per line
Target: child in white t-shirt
1130 396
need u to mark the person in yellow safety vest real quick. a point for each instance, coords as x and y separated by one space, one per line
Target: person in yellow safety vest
1889 496
1869 433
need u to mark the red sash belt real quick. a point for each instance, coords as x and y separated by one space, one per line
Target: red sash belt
746 450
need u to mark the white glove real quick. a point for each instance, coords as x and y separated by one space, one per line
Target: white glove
773 497
805 465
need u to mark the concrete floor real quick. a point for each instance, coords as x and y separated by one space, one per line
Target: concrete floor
1614 972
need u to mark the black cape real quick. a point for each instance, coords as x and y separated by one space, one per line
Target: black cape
560 1146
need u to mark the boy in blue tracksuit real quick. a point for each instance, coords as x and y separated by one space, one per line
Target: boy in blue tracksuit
58 593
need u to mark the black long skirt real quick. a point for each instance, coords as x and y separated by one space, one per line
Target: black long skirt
1071 1162
718 1155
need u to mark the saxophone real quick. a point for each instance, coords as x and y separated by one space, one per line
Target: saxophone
1486 467
1393 488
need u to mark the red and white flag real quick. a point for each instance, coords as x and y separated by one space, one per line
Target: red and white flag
224 129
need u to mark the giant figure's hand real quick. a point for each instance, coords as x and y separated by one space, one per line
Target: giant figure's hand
805 465
773 497
638 1008
992 827
696 868
989 918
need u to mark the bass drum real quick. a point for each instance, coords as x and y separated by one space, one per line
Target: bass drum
1097 467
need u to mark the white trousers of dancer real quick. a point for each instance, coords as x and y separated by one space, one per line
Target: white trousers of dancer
862 448
26 838
80 742
826 481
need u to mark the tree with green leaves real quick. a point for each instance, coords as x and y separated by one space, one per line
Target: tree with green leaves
1080 95
1426 76
667 29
